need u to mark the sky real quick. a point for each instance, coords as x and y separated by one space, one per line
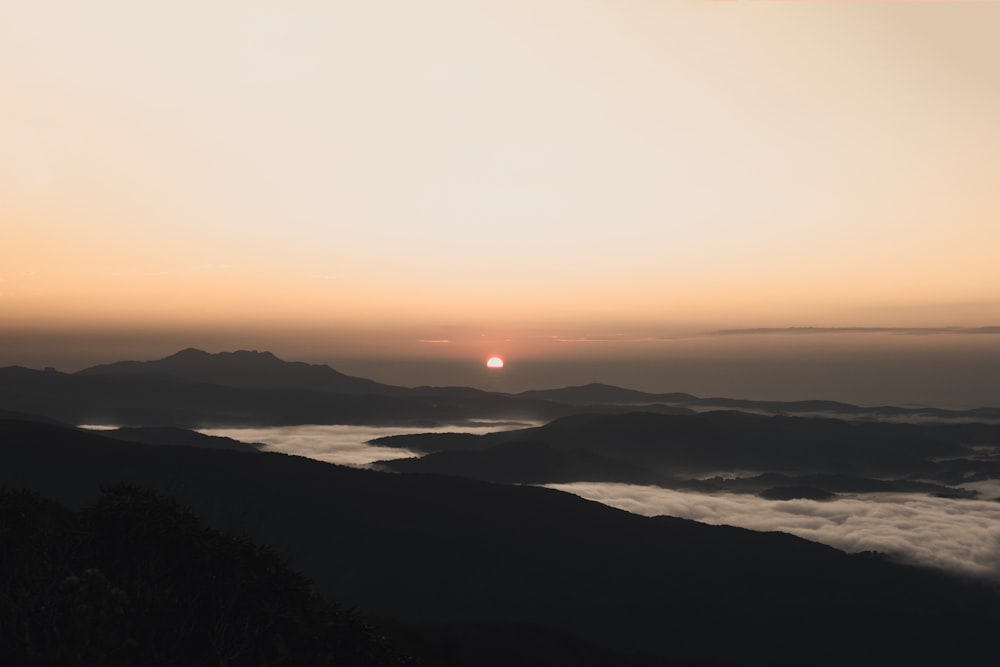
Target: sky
581 186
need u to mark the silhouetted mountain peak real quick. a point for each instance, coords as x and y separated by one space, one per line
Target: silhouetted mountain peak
598 385
188 353
193 355
244 368
597 393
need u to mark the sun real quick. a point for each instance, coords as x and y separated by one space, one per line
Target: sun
494 362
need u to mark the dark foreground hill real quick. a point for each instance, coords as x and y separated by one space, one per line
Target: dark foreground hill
452 553
168 435
137 580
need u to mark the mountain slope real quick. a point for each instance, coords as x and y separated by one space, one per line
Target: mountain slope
526 463
163 400
179 437
597 393
441 550
718 441
137 580
142 399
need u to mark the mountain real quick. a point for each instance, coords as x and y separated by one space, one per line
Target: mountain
193 388
430 443
245 368
796 492
446 552
828 483
179 437
596 394
713 441
599 394
156 399
163 400
826 455
526 463
137 580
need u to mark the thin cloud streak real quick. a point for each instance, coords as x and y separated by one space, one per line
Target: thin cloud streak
957 535
912 331
619 338
798 331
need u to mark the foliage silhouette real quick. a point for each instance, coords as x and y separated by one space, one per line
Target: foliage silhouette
138 580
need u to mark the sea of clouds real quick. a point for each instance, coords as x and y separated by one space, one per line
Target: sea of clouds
955 534
344 445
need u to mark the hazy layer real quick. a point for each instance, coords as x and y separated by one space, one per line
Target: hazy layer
344 445
957 370
962 535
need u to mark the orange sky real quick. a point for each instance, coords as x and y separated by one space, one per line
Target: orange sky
557 168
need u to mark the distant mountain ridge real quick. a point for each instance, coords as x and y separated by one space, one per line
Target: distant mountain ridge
597 392
152 399
263 369
194 388
245 368
676 451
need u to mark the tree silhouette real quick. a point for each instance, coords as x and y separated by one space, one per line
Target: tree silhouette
137 580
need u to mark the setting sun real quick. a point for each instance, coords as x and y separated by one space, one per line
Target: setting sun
494 362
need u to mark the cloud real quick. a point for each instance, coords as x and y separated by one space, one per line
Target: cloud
434 341
340 444
326 277
957 535
343 445
910 331
615 338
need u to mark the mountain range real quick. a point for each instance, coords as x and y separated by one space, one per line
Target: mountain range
680 451
193 388
478 565
465 562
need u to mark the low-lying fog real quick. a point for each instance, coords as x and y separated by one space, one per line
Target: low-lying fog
344 445
962 535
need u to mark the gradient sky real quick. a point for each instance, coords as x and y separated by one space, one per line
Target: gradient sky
369 175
